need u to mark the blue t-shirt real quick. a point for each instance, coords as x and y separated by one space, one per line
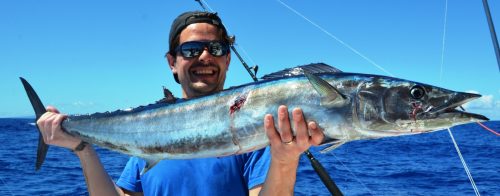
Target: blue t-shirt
232 175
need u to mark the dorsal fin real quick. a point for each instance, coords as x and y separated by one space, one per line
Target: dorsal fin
169 97
313 68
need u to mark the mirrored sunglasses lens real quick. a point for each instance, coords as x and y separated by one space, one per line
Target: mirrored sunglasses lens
217 49
195 48
192 49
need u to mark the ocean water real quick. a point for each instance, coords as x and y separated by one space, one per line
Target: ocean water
425 164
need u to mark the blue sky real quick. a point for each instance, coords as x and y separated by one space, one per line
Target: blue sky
94 56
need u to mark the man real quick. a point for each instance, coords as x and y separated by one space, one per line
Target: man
199 58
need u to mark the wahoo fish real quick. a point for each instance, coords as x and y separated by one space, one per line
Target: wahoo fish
347 106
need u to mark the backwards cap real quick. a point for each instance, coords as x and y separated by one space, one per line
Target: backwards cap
191 17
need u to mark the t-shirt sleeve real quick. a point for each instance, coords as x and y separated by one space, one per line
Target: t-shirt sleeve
256 167
130 178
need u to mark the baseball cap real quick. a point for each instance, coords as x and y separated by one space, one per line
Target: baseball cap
191 17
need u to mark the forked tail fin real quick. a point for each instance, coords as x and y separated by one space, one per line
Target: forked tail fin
39 110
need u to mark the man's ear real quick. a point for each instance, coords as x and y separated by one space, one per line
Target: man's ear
171 63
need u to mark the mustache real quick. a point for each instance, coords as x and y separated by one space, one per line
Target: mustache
201 64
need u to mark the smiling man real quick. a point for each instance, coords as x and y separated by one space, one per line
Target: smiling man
199 58
199 72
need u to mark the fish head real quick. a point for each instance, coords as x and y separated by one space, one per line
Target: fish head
398 107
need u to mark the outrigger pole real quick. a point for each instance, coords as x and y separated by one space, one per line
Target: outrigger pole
320 170
492 31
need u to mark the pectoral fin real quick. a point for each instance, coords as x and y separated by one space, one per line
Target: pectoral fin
333 146
150 163
330 96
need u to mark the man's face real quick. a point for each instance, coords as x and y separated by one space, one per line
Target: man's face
203 74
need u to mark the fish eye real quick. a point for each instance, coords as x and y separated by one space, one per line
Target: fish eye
417 92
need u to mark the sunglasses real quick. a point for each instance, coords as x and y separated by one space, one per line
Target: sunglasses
195 48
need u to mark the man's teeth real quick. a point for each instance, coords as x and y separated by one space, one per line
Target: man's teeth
204 72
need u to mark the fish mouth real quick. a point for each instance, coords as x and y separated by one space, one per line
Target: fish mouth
463 114
449 109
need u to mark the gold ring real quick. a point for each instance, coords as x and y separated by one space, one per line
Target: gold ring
289 142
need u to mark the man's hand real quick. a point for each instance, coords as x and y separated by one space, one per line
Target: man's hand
50 127
285 148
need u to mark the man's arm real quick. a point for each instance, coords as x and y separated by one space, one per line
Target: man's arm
97 179
286 150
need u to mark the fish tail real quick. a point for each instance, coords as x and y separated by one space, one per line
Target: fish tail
39 111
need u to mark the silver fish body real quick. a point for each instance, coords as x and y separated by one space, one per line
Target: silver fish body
347 106
231 122
226 123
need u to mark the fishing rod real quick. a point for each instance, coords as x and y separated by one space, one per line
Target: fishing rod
232 40
317 166
492 31
255 68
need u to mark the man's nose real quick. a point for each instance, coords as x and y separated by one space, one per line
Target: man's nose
205 55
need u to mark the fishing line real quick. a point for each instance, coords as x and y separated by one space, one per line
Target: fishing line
488 129
336 38
228 31
347 46
464 164
444 38
449 130
484 126
320 170
233 44
355 177
247 55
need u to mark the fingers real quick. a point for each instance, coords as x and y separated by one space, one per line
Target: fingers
306 134
41 124
284 132
56 124
52 109
284 125
316 134
45 125
49 125
271 132
284 148
300 127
